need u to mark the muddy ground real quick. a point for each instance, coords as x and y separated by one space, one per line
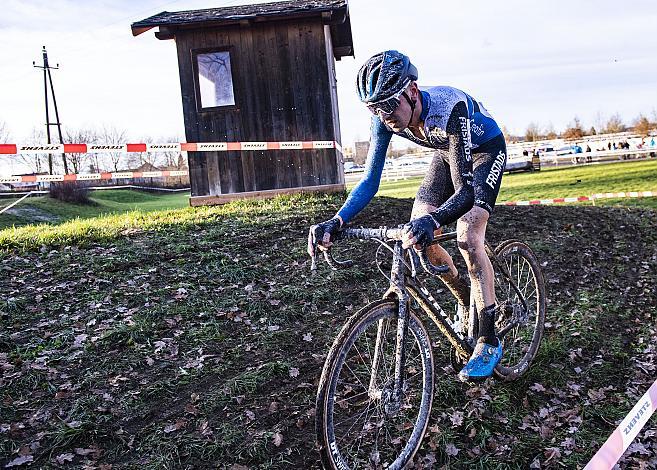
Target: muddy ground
201 347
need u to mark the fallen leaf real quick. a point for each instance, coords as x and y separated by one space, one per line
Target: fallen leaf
169 428
294 372
308 337
277 439
61 458
451 450
537 387
20 461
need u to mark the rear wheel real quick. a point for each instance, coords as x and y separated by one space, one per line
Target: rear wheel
522 327
359 423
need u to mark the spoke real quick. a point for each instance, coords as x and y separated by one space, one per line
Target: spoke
352 397
355 376
363 360
355 418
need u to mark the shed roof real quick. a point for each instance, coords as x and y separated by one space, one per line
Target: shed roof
333 12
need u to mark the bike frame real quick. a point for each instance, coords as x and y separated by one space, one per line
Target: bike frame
404 285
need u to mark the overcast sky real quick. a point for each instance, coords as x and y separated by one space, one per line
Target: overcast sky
525 60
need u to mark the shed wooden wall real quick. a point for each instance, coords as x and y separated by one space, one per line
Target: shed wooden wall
283 82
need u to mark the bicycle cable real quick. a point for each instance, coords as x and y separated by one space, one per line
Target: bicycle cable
376 258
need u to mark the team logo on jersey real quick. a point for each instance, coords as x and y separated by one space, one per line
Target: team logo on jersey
437 133
496 170
465 134
477 129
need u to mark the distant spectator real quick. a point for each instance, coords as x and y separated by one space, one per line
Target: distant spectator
652 142
609 146
588 148
614 146
525 153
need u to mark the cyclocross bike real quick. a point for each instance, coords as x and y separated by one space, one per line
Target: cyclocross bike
376 389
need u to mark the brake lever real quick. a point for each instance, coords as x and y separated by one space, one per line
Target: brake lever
334 263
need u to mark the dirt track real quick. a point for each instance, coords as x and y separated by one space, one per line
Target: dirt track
183 349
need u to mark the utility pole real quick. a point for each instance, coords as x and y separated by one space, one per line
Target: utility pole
47 78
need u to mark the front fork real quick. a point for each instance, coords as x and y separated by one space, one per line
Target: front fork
394 397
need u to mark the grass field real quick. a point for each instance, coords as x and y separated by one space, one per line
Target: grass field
194 338
574 181
46 210
582 180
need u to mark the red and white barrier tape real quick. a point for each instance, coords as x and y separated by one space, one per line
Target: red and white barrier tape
593 197
92 176
614 448
14 149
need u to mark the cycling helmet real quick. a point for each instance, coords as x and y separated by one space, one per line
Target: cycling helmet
383 78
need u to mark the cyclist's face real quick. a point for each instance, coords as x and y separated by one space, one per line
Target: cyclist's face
399 119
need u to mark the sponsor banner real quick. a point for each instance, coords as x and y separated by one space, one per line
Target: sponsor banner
34 149
614 447
88 176
43 178
593 197
323 144
254 145
163 147
291 145
122 174
91 176
10 179
212 147
12 149
101 148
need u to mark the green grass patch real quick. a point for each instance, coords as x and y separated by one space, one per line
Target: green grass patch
573 181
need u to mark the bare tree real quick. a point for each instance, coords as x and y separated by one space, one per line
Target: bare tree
4 133
77 161
171 159
533 132
37 163
549 131
599 122
141 158
614 124
113 136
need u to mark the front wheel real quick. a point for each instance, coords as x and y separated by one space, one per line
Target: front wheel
359 422
521 323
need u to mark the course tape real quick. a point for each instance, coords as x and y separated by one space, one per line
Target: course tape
592 197
92 176
15 149
613 449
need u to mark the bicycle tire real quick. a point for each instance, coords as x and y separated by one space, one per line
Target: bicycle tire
521 348
331 389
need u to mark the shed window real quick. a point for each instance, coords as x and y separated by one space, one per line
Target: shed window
215 79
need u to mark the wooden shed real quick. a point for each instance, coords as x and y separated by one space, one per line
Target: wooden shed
260 73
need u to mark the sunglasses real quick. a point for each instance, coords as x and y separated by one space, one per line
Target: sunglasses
388 105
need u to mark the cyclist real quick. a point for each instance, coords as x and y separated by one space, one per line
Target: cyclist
461 183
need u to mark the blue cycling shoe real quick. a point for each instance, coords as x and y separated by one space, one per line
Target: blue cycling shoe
482 362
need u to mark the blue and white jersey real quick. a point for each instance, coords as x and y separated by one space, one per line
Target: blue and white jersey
472 126
437 105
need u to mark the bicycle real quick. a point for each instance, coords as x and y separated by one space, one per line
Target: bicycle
376 389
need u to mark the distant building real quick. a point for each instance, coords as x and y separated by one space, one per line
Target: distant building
360 151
